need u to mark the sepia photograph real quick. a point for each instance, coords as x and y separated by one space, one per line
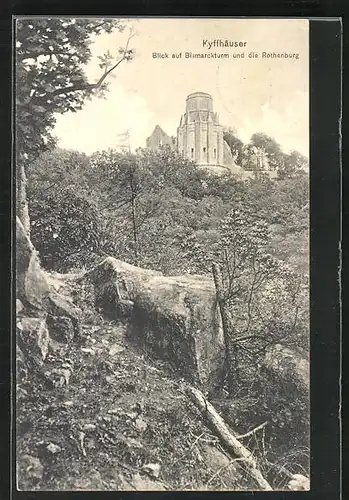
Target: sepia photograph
162 254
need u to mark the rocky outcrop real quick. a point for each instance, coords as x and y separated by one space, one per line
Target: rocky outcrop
115 285
178 319
61 328
33 338
31 284
45 319
176 316
61 310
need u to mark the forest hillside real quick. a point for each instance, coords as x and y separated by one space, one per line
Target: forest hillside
162 312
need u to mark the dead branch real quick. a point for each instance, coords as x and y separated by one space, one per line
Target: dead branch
253 431
81 441
228 439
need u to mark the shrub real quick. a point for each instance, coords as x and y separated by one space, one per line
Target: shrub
64 228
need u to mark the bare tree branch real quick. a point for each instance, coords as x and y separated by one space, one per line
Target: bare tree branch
228 437
94 86
253 431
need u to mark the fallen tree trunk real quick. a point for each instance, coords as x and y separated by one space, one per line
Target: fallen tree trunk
228 439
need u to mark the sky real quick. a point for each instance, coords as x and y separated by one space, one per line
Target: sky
269 95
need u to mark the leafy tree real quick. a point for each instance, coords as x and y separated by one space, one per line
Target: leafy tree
50 54
64 220
294 164
296 190
235 145
260 290
136 188
163 211
172 169
265 301
124 180
272 149
254 158
58 167
65 226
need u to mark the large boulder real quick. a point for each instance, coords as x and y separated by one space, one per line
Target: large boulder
30 472
31 283
115 285
58 306
176 316
287 367
33 338
61 328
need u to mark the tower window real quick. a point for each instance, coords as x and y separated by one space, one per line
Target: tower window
192 152
215 152
204 149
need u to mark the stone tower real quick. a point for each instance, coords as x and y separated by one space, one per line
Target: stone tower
199 135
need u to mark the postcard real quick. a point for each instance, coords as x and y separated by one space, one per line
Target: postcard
162 254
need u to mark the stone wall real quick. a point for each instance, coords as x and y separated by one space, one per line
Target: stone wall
158 138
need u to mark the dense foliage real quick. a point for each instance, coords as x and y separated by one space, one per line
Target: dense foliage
50 57
159 211
263 153
50 76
